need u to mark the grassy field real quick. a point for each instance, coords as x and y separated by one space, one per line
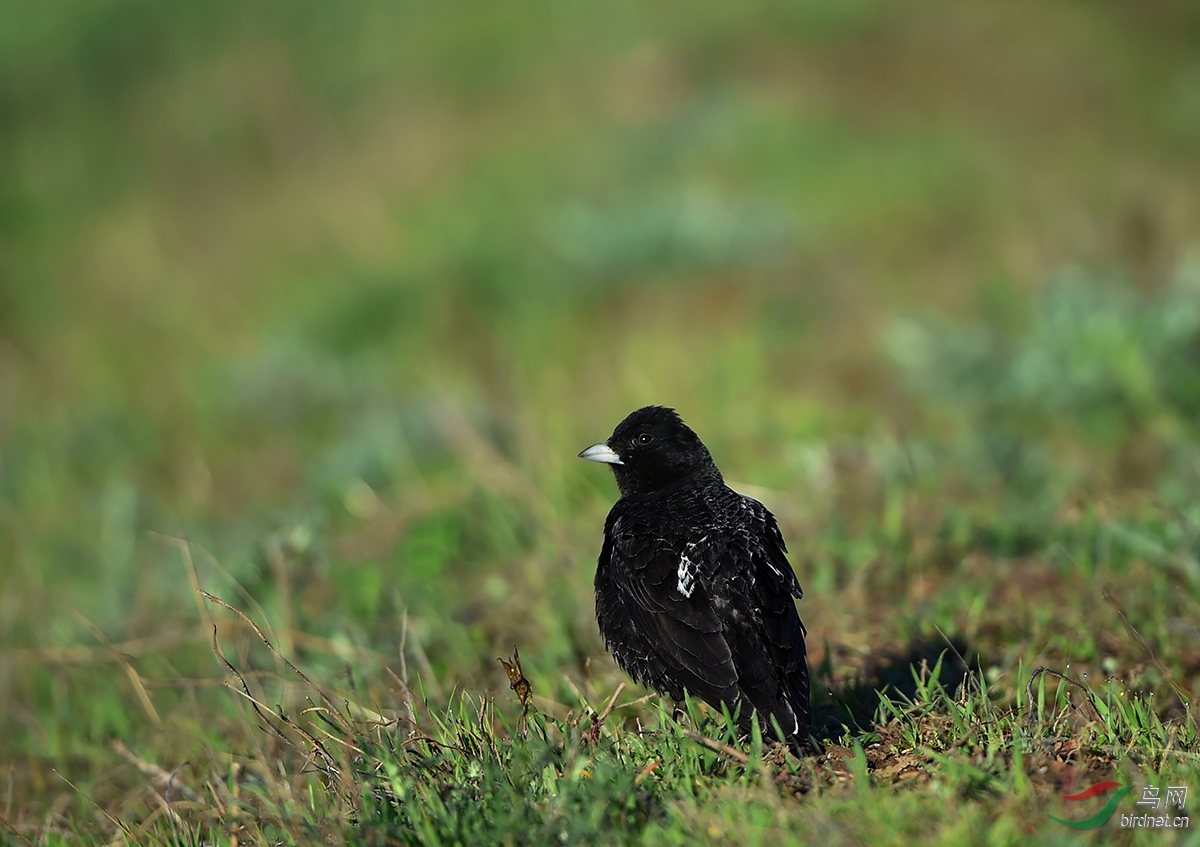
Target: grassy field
310 310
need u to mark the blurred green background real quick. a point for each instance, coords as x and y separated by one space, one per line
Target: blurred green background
338 293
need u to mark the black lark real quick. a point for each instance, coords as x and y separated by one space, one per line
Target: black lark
694 591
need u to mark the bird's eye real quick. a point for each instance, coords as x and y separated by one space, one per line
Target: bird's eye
645 438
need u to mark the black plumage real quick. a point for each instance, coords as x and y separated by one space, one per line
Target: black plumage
694 591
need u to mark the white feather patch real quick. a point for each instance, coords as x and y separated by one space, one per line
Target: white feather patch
688 571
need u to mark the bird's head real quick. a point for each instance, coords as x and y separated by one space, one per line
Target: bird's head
651 449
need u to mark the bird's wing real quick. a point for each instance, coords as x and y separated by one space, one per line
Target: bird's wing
768 541
661 587
776 585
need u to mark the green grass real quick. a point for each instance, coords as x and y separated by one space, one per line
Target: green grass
313 311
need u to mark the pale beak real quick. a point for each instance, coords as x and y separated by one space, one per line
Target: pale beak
601 453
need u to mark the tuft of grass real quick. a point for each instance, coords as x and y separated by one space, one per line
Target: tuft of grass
480 769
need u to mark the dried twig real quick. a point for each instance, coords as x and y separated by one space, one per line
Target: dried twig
78 654
275 652
279 570
15 832
185 549
717 746
329 764
166 780
612 701
114 821
1038 671
1145 645
637 702
598 719
405 688
428 677
135 679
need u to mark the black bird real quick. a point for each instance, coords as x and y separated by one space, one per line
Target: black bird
694 591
